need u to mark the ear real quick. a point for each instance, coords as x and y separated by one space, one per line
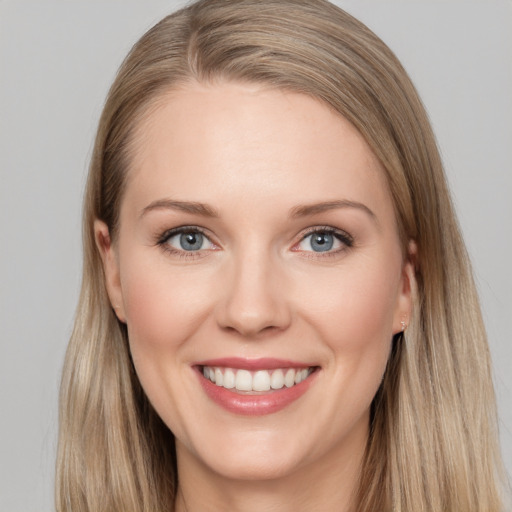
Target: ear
110 268
407 291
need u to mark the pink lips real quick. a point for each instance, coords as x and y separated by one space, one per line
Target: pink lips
253 404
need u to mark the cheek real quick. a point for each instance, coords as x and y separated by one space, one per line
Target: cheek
355 321
361 297
163 307
371 304
354 311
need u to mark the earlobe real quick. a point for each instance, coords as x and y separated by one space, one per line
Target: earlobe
407 291
110 268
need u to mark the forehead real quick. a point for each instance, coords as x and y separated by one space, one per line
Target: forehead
205 141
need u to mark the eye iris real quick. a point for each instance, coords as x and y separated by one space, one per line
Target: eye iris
321 242
191 241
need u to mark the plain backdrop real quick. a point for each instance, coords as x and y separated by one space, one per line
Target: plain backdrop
57 59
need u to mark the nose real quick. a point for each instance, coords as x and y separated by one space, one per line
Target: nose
255 297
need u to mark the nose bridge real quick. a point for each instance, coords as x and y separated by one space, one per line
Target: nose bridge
255 299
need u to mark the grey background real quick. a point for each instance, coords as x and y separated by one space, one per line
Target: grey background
57 59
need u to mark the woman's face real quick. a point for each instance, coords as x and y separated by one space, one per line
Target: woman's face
259 271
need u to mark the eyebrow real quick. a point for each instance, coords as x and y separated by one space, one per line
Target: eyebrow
298 211
183 206
313 209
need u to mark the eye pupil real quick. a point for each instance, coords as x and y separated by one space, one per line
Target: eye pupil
321 242
191 241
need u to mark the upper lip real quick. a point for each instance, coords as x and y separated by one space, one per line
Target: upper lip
262 363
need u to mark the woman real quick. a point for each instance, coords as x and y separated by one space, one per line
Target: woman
277 309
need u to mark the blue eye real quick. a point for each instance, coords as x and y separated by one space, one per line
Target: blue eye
191 241
321 242
324 241
187 240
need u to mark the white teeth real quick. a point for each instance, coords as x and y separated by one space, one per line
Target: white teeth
218 377
243 381
261 380
277 379
229 379
301 375
289 378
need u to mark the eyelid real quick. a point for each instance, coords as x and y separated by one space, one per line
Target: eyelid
345 238
162 239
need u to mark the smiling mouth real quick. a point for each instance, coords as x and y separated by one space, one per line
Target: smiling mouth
255 382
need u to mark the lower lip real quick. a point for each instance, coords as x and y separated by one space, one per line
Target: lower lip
255 405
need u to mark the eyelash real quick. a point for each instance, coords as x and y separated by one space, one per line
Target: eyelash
340 235
167 235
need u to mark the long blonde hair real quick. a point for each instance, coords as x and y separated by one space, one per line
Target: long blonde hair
433 436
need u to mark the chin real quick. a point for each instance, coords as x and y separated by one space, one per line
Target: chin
249 468
269 454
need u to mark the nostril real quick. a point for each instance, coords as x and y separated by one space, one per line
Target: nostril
254 332
253 304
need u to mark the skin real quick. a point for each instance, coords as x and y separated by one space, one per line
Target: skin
254 154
